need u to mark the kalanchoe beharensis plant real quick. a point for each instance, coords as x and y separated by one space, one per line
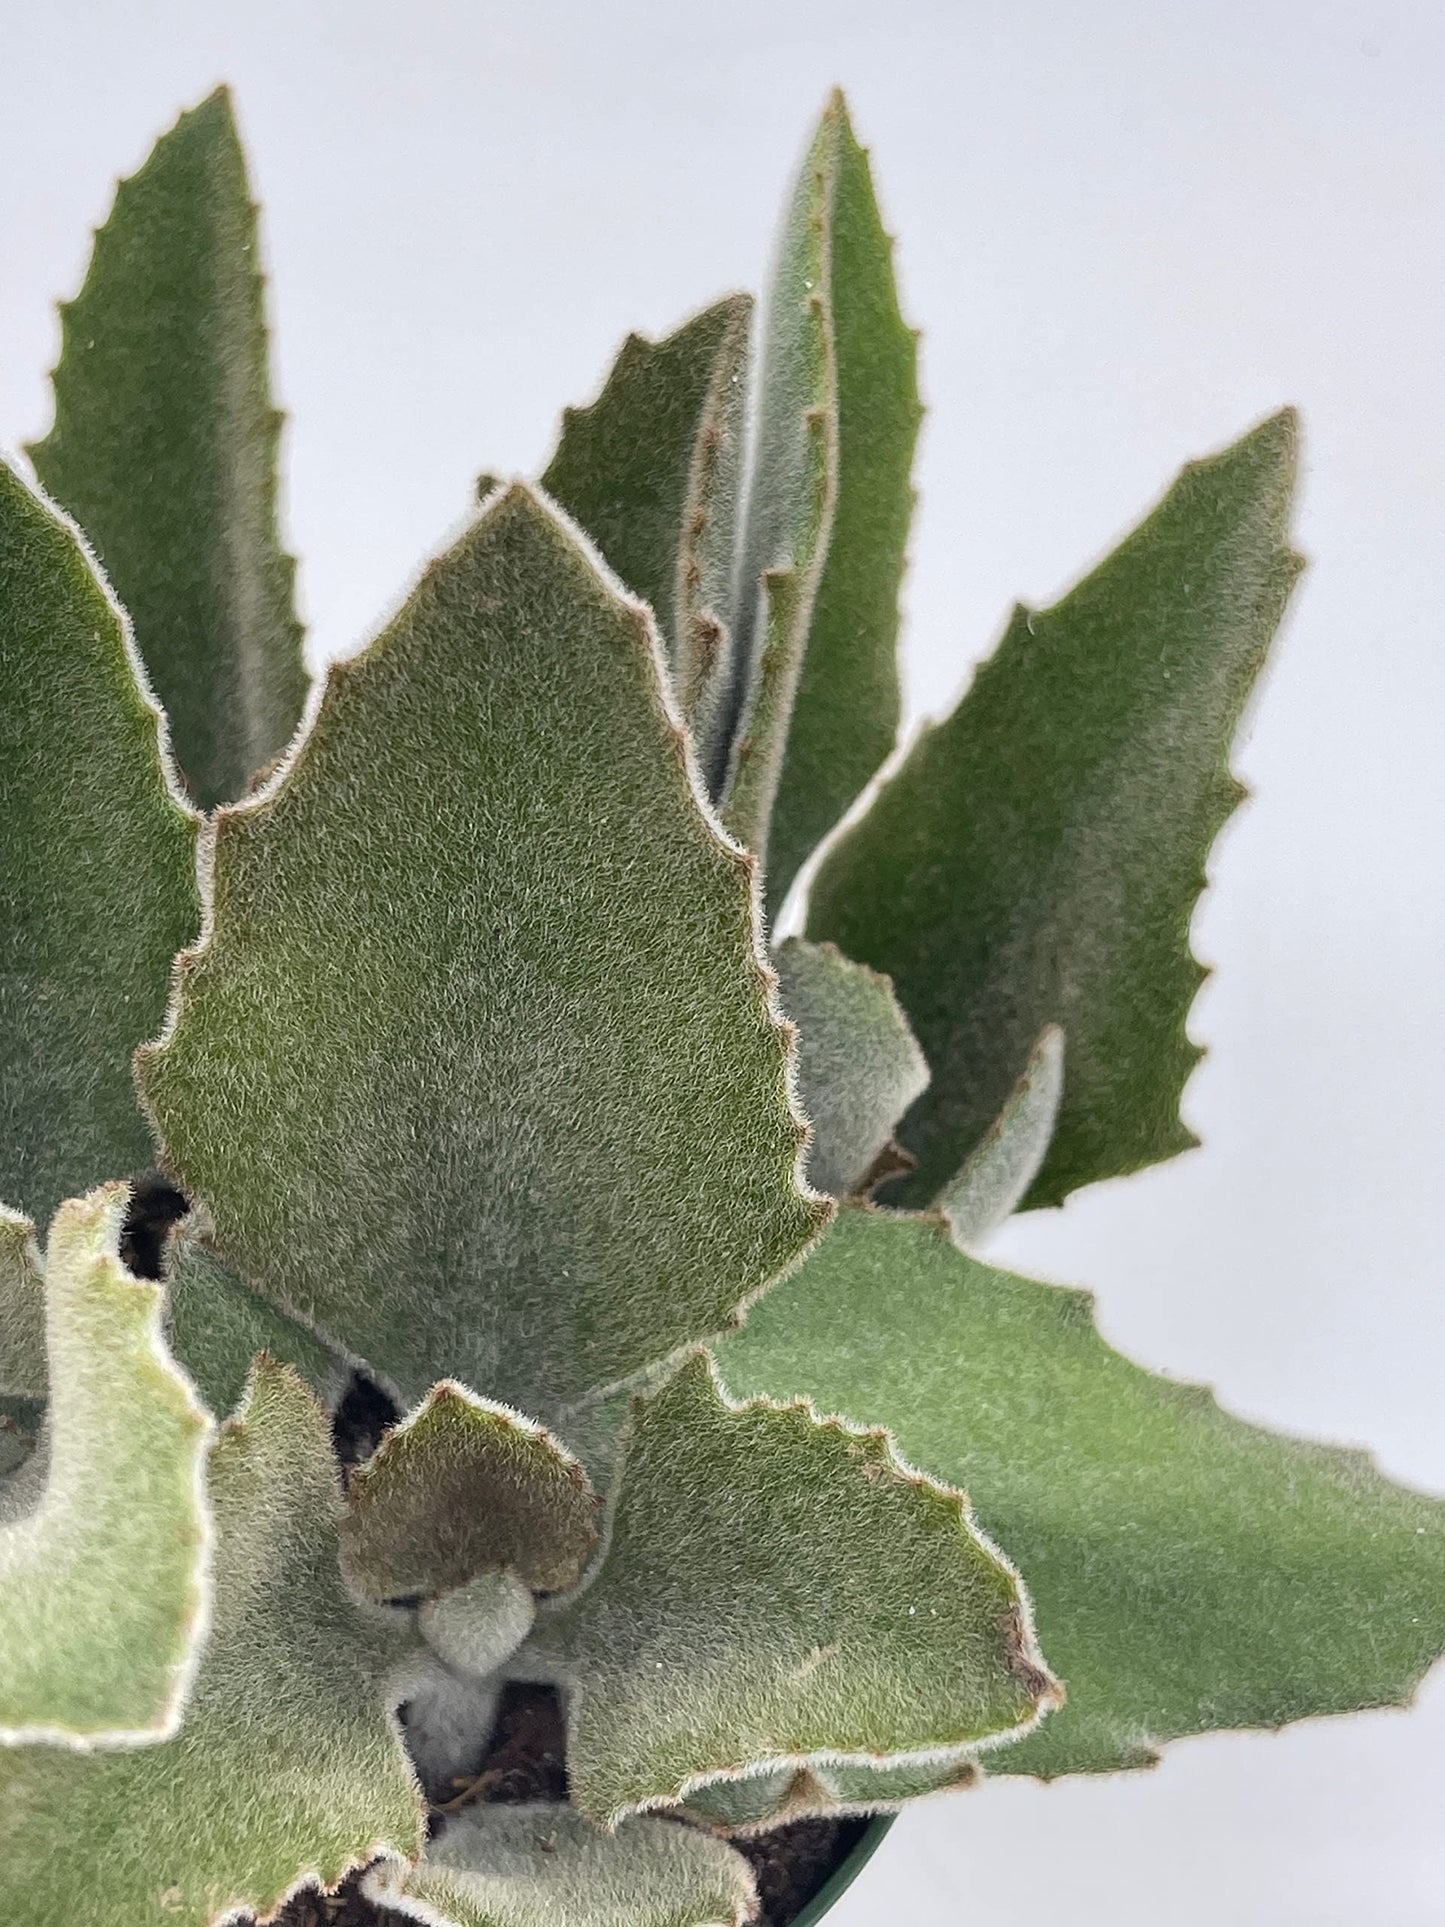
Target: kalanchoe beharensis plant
475 1082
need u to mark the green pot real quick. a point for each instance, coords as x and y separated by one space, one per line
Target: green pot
841 1880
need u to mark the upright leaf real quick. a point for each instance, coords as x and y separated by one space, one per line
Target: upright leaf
790 505
845 713
828 517
998 1173
859 1065
104 1541
545 1866
97 868
1188 1571
777 1587
650 471
476 1070
461 1486
1037 858
22 1309
287 1769
164 450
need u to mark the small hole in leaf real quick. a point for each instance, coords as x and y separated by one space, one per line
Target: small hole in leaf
364 1416
155 1205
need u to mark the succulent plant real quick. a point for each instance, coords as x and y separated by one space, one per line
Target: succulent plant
426 1043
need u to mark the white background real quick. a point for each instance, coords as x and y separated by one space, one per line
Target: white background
1129 229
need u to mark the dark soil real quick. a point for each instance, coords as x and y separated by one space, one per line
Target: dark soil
791 1862
527 1759
357 1425
526 1762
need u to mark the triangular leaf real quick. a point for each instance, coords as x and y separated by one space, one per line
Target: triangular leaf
104 1540
545 1866
22 1309
1038 856
97 868
650 471
164 450
1188 1571
859 1065
998 1172
777 1587
462 1486
217 1325
476 1071
287 1770
845 712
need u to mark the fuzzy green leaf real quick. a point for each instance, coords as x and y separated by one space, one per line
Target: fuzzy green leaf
287 1769
22 1309
217 1325
477 1627
97 868
650 471
15 1448
822 1790
859 1065
845 713
790 504
777 1587
1037 858
1188 1571
461 1486
476 1071
997 1173
545 1866
104 1539
164 450
26 1414
818 673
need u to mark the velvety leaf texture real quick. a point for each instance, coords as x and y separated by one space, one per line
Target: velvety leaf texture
164 450
461 1486
22 1309
1188 1571
790 505
479 1625
15 1447
475 1068
105 1539
286 1770
822 1789
999 1171
775 1587
545 1866
859 1065
845 712
1038 856
97 868
217 1325
650 471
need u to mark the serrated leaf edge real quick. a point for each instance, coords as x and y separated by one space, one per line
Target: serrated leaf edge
684 750
198 1627
1025 1654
